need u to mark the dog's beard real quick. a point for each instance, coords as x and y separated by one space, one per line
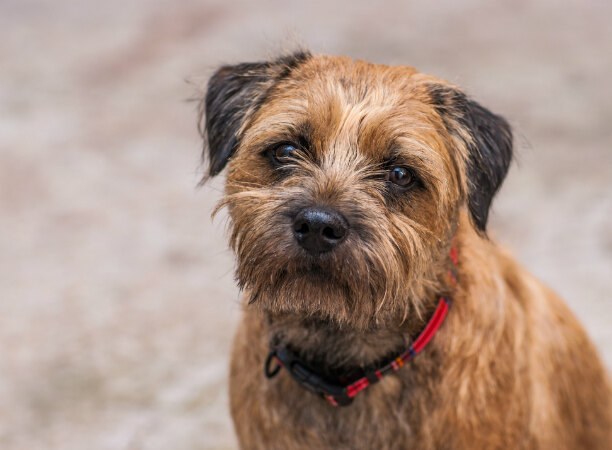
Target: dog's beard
372 280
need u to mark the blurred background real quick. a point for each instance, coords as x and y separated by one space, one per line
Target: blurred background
117 298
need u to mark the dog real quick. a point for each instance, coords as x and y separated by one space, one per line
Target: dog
378 314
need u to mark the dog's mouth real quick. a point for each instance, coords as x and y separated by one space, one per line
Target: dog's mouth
313 272
312 277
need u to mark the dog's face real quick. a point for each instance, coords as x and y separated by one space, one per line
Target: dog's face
346 181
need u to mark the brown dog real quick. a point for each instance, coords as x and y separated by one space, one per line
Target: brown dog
349 185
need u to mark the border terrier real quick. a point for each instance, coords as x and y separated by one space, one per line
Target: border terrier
377 311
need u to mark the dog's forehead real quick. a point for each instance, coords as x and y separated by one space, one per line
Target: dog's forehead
358 81
334 101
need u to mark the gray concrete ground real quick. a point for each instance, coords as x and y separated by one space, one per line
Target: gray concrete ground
117 302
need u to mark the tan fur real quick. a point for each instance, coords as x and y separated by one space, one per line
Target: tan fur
509 368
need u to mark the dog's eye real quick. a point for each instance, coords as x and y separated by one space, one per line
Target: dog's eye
283 154
402 176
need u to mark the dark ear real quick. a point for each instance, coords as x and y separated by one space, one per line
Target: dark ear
234 94
488 139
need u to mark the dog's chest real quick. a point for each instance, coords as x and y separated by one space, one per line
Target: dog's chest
278 413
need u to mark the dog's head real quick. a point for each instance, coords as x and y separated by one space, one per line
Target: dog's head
346 181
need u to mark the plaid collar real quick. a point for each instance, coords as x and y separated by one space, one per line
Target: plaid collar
342 395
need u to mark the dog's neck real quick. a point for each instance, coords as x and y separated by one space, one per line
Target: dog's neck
341 351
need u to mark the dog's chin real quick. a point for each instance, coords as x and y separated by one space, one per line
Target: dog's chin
312 292
314 275
305 283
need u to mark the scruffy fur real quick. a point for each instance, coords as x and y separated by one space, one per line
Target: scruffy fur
509 368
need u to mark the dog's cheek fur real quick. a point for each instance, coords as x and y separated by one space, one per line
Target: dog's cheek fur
487 138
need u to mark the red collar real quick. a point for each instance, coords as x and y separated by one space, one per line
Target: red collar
342 395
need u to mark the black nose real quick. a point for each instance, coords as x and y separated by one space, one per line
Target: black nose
319 230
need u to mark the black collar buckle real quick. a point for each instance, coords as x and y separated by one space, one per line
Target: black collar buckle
306 377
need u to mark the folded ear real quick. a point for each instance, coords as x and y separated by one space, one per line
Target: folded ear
488 139
234 94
